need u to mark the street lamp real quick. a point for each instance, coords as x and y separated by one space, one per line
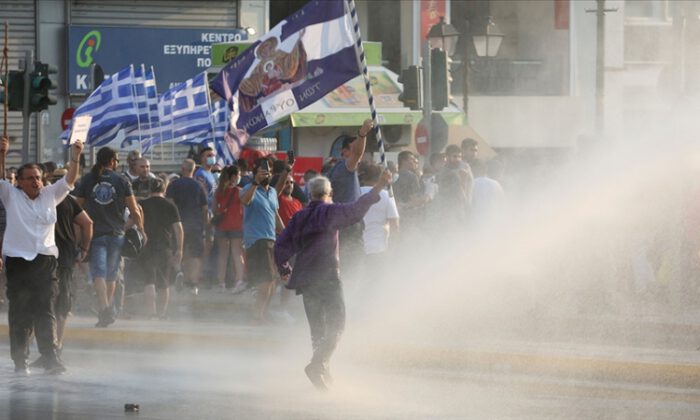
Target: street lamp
443 36
488 42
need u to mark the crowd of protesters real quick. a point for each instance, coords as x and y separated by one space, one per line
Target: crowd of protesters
133 230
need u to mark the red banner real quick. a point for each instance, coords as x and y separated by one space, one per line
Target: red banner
301 165
561 14
430 13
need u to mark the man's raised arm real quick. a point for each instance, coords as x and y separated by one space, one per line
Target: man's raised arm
76 150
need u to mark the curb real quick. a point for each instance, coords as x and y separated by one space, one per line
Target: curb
678 374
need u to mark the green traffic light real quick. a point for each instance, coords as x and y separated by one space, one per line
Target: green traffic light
40 85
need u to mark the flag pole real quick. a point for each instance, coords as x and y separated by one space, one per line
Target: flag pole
133 101
362 65
5 61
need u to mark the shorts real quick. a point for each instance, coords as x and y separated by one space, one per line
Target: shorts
105 255
64 300
228 234
155 269
193 245
260 262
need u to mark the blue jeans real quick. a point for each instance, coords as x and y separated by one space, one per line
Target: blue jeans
105 254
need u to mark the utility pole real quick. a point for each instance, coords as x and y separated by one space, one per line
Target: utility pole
600 65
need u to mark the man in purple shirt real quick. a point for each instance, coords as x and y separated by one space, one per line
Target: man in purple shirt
312 235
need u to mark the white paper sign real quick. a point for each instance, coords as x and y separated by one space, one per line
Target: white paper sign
81 126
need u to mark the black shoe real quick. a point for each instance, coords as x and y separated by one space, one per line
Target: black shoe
315 374
54 367
105 318
39 363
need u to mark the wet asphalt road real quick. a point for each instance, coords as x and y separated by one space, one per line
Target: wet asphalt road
254 384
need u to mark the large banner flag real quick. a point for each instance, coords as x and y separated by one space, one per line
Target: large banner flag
112 108
300 60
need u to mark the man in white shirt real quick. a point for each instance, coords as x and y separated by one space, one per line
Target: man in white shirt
380 223
30 255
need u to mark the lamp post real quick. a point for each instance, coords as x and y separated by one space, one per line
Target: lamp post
443 37
487 41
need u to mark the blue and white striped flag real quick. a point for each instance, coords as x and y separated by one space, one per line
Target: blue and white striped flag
295 64
164 131
141 103
220 115
190 107
112 108
183 112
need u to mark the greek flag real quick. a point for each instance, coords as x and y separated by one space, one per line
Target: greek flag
297 63
141 81
218 134
183 112
112 108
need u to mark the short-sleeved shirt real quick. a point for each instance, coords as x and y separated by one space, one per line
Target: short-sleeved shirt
105 201
66 212
407 186
229 203
207 180
375 235
159 217
288 207
189 197
345 184
142 188
30 223
259 215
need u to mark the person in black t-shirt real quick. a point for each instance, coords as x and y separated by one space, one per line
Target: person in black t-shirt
163 251
70 249
104 194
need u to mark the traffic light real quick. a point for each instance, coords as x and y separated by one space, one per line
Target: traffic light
440 79
14 89
39 86
412 80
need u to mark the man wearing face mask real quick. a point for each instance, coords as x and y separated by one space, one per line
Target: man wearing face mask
204 175
260 221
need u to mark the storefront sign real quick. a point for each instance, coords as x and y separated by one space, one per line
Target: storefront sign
175 54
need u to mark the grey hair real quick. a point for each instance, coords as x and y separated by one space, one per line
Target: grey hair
319 186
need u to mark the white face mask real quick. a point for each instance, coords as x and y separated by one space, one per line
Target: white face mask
211 160
394 177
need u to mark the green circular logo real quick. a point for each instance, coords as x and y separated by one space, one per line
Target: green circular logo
89 44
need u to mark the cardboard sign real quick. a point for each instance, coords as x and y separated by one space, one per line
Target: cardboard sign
81 126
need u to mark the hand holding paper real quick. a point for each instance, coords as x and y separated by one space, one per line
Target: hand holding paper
81 126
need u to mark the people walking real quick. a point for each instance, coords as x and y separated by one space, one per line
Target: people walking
105 195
